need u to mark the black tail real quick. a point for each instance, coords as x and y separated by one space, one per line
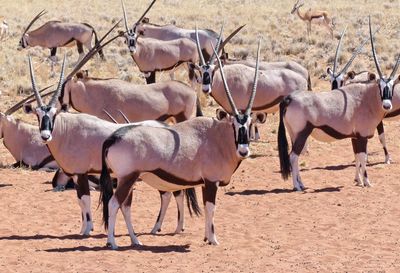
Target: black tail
96 40
282 140
309 85
106 185
199 112
192 203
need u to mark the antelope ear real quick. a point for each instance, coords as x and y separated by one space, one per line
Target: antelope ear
329 71
146 20
261 117
121 32
28 109
371 76
351 74
221 114
80 74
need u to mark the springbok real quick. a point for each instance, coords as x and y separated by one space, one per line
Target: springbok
352 111
273 85
3 30
151 55
54 34
339 79
158 101
174 158
320 17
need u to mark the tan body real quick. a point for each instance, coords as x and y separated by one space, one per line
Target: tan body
157 101
273 85
155 55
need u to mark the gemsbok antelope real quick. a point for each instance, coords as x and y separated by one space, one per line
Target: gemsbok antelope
152 55
158 101
339 79
353 111
319 17
274 84
54 34
174 158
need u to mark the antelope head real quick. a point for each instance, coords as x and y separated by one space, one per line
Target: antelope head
338 79
130 33
207 68
46 113
241 121
386 85
23 42
297 5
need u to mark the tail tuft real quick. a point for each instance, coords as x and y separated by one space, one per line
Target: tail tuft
192 203
282 140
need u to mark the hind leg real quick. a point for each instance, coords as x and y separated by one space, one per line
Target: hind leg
83 193
165 199
121 194
126 212
357 163
382 139
179 198
209 197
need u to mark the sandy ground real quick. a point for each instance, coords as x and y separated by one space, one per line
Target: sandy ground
262 225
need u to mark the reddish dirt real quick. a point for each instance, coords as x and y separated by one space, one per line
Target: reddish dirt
262 225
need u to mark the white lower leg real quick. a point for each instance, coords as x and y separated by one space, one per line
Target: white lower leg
210 235
84 221
294 162
85 199
256 134
382 139
113 207
165 199
126 212
181 219
363 162
357 175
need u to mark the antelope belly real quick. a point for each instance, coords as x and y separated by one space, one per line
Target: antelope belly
318 20
320 135
161 184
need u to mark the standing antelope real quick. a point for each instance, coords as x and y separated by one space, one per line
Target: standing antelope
339 79
55 34
151 55
3 30
352 111
320 17
175 158
273 86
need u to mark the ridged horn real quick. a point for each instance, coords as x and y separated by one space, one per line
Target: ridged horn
40 14
33 81
338 49
217 46
203 62
60 84
254 91
373 50
147 10
125 18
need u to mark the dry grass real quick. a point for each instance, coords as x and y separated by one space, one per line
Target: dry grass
284 35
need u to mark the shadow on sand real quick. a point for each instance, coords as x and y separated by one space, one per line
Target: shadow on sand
5 185
279 191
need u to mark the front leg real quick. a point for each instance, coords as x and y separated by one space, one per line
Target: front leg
179 198
360 149
209 196
165 197
83 193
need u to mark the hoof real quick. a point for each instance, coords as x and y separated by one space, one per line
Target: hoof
299 189
155 230
112 246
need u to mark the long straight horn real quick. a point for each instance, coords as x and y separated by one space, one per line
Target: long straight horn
227 91
203 62
253 93
355 54
40 14
395 69
60 84
123 115
28 99
109 115
373 50
217 46
229 38
34 87
144 14
338 48
125 18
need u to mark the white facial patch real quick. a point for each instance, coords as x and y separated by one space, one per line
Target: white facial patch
207 70
243 148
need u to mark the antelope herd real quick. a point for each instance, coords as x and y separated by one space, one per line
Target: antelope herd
158 133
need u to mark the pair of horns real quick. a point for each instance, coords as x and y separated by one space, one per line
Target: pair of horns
141 17
356 52
40 14
113 119
253 93
376 59
37 94
218 47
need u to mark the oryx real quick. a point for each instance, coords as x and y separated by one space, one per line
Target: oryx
174 158
274 84
54 34
341 78
353 111
158 101
151 55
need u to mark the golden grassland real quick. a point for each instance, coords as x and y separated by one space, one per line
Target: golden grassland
284 35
